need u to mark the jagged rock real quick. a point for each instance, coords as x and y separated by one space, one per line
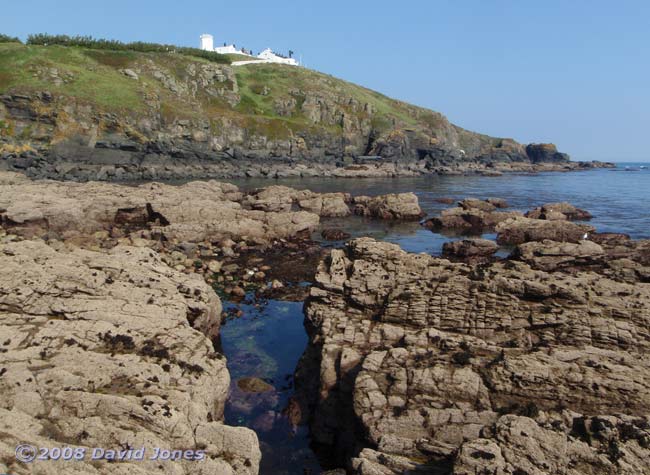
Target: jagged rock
473 203
550 255
193 212
470 250
545 152
334 234
130 73
332 205
112 350
470 219
393 206
553 211
498 202
520 230
419 364
327 205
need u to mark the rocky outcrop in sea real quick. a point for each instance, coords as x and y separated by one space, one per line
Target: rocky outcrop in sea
532 364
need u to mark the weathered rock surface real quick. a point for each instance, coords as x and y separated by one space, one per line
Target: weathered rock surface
545 152
478 216
559 211
470 250
520 230
627 260
334 234
470 219
421 365
195 211
400 206
112 350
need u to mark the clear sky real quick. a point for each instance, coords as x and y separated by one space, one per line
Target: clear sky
572 72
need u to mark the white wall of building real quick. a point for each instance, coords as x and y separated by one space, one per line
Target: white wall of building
271 57
230 49
207 42
266 56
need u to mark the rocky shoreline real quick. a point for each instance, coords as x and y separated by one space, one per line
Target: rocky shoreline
110 316
470 363
532 364
220 166
54 136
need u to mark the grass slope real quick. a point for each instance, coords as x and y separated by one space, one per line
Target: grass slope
95 77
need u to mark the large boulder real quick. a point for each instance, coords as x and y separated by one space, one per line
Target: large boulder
545 152
469 219
520 230
326 205
470 250
551 255
112 350
563 210
400 206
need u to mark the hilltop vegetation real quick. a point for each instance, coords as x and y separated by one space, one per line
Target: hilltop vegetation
43 39
179 102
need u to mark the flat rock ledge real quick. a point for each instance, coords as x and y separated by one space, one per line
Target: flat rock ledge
193 212
113 350
421 365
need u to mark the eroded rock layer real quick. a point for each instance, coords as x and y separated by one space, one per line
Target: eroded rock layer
532 366
196 211
112 350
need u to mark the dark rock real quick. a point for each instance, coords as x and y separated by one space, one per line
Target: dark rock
552 211
545 152
334 234
470 250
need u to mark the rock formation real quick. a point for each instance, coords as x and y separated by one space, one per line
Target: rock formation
193 212
112 350
519 230
531 365
552 211
471 216
470 250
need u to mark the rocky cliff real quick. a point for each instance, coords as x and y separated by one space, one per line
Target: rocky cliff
75 113
531 365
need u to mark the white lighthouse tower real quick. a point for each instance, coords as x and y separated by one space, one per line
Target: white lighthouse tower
207 42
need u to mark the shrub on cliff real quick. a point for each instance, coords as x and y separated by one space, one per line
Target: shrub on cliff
9 39
43 39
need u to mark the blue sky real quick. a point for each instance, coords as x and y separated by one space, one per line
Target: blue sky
576 73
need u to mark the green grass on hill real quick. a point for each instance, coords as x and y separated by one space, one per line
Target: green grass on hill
284 82
240 57
32 68
95 77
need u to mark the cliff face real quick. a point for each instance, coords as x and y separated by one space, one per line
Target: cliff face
78 113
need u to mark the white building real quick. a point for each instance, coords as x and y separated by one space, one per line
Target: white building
266 56
269 56
230 49
207 42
